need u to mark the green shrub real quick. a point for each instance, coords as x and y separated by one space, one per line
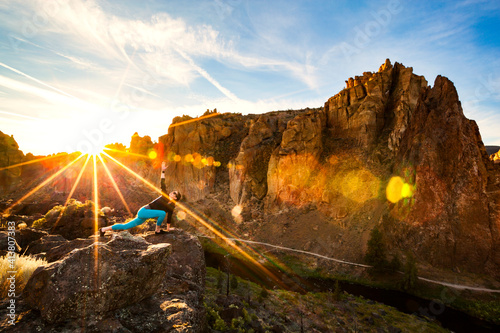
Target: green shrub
40 223
263 293
237 323
214 319
337 292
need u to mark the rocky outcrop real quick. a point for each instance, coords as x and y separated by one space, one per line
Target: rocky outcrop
248 171
495 157
195 148
97 279
45 244
374 102
146 283
443 157
74 220
26 236
293 163
8 243
339 160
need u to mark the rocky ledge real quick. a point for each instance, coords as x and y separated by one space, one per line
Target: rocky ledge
118 283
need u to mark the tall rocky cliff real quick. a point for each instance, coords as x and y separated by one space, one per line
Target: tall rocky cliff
339 161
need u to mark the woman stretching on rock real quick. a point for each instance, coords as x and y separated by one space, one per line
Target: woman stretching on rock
158 208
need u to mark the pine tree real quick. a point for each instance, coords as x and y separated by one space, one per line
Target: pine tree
337 291
410 276
220 281
234 282
376 254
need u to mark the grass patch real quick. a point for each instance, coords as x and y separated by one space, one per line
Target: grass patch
24 266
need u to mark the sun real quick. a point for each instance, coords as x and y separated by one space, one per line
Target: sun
95 150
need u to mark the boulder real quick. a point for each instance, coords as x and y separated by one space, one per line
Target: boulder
96 279
127 272
74 220
178 307
187 260
8 243
45 244
26 236
58 248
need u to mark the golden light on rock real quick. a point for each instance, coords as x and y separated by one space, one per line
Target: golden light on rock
177 158
181 215
360 185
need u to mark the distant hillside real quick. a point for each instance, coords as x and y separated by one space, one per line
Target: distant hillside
492 149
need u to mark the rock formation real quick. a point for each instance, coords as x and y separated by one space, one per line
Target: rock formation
444 158
340 158
291 165
370 102
147 283
248 171
73 220
97 279
194 148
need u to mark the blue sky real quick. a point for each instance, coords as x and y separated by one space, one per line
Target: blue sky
76 74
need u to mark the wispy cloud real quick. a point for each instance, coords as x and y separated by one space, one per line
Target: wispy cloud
161 59
33 79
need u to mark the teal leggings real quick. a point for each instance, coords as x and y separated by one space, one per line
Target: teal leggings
142 215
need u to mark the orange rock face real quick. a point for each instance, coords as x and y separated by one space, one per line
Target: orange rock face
340 159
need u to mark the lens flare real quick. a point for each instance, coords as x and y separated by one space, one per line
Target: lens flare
181 215
115 186
38 187
360 185
152 154
127 152
75 185
203 222
33 161
397 189
96 224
